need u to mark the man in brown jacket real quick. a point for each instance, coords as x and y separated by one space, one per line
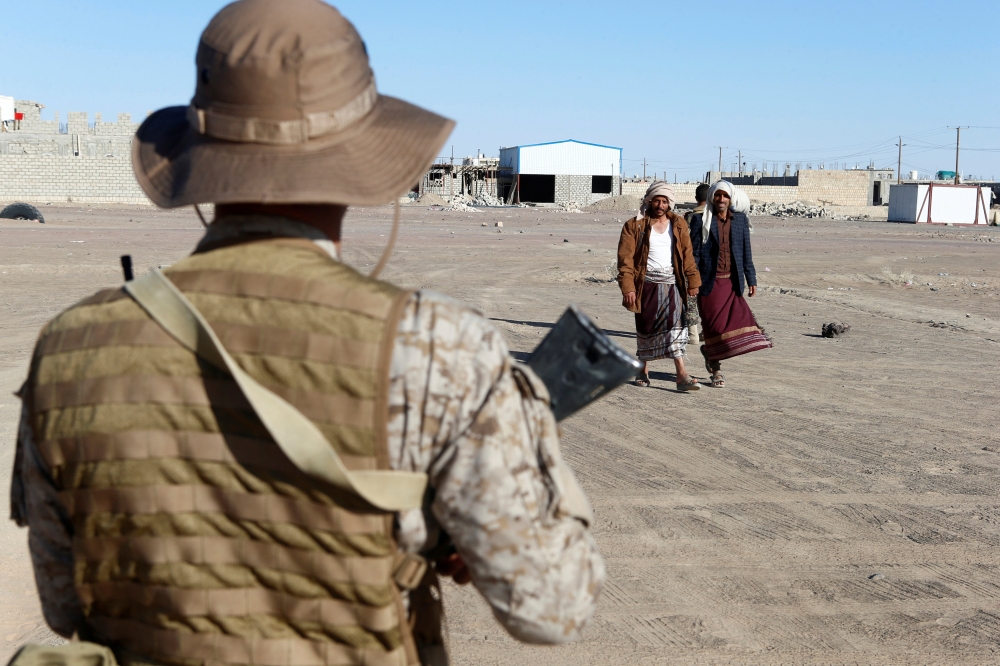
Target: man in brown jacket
655 269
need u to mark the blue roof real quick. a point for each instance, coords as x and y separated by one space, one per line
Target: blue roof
549 143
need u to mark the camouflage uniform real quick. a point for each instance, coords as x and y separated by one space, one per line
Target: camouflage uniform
463 413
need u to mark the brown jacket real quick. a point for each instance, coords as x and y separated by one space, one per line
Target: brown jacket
633 251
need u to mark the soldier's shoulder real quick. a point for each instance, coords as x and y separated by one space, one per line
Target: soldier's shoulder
67 318
433 318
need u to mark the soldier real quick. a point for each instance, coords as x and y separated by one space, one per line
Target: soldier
167 518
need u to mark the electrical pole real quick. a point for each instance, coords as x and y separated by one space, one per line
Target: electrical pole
739 162
644 169
899 162
720 161
958 144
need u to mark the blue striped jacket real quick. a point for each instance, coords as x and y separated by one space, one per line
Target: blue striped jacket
706 255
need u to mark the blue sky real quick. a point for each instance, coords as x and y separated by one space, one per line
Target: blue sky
800 82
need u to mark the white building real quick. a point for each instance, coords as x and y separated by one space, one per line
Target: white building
939 203
560 172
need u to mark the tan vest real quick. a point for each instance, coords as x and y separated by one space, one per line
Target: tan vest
195 540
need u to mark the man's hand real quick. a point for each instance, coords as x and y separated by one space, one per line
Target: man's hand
630 300
751 290
693 292
453 565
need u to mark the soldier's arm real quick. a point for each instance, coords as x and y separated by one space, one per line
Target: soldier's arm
35 503
491 449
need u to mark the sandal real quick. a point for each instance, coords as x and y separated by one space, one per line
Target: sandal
689 384
642 380
718 379
708 364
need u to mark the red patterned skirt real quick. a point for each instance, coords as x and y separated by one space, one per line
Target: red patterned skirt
728 325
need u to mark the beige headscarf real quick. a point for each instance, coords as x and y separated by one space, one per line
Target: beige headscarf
739 202
659 188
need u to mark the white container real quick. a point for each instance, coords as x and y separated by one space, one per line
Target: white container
939 203
914 175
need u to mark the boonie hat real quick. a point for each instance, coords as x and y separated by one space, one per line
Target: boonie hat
285 111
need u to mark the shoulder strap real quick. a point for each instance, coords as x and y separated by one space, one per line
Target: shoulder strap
298 437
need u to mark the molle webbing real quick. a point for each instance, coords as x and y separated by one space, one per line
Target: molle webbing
196 539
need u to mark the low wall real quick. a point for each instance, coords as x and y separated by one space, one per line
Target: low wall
41 179
683 191
837 188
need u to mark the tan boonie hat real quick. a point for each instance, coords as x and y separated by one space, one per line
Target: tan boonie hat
285 111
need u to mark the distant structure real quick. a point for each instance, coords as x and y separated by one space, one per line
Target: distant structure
559 172
473 177
837 187
43 161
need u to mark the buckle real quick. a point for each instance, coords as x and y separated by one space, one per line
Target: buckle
409 570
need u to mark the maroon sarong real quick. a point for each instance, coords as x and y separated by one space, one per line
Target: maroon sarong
728 326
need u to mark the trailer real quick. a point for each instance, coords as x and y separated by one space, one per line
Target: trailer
939 203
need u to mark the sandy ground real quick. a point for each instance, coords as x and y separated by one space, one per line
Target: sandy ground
836 503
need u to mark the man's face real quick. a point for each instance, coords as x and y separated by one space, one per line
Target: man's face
658 206
721 203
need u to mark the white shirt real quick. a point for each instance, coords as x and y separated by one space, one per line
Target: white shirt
660 261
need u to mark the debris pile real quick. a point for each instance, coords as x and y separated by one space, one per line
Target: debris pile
458 204
431 199
795 209
485 199
833 330
623 203
571 207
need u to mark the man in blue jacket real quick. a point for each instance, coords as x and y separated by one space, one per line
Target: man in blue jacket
720 240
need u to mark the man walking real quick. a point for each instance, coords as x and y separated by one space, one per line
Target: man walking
700 197
656 269
170 515
720 239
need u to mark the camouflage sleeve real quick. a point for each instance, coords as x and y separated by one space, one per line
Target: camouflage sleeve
35 502
460 411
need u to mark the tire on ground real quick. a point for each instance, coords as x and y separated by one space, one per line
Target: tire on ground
21 211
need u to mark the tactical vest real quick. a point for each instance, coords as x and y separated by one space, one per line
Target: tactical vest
195 540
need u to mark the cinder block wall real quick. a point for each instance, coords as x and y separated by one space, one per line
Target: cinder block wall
42 179
839 188
683 191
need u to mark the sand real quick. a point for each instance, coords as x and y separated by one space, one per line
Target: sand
835 503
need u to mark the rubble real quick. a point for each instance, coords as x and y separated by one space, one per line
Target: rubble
485 199
571 207
431 199
795 209
833 330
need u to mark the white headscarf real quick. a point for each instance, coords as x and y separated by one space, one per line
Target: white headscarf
739 202
659 188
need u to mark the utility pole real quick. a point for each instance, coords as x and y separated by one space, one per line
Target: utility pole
958 144
739 162
451 174
644 169
899 162
720 161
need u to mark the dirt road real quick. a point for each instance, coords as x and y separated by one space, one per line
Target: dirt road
835 503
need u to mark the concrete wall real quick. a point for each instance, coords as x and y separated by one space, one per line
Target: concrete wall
577 189
90 164
683 191
41 179
830 187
